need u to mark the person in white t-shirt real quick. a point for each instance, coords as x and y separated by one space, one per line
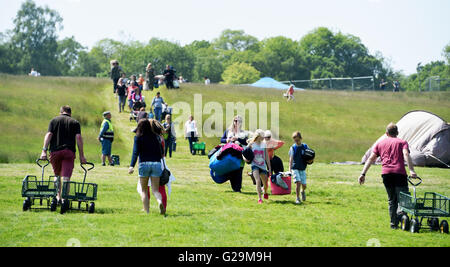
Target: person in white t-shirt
33 73
207 81
190 130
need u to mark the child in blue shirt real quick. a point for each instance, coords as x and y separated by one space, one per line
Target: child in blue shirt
297 165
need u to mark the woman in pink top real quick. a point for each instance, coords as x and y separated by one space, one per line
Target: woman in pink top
393 152
130 90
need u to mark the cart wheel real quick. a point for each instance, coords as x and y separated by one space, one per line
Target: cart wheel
405 223
194 152
203 152
415 226
53 205
26 205
91 207
444 227
434 224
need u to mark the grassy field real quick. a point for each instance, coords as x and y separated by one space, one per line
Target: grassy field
28 104
338 211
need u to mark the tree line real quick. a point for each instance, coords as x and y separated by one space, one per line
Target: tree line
234 57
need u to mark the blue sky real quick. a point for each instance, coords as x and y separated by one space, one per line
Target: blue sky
406 32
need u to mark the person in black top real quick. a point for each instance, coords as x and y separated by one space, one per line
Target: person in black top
170 135
148 148
383 85
169 74
121 91
396 85
115 73
62 135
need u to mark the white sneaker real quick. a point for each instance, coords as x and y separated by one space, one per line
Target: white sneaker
298 201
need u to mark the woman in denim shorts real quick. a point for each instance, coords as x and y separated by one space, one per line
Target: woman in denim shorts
147 147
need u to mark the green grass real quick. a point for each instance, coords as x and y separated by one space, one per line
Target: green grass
339 125
338 211
28 104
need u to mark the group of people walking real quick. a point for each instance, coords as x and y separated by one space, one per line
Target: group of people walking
151 80
64 135
153 140
264 162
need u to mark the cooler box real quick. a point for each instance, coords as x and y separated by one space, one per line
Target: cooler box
277 190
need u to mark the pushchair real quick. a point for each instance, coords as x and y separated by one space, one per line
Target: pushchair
135 109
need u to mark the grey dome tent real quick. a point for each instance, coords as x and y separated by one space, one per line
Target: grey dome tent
428 137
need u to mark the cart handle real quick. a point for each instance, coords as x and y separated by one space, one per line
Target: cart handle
42 166
87 163
417 178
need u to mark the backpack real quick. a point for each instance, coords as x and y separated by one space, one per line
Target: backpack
308 155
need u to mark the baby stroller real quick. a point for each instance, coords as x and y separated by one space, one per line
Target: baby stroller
135 109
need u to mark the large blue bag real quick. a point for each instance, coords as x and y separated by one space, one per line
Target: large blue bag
227 164
217 178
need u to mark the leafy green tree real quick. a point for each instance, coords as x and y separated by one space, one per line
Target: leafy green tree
67 52
420 80
338 55
281 58
34 38
236 40
7 57
163 53
447 53
240 73
207 63
86 65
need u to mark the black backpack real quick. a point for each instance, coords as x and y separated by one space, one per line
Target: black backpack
309 154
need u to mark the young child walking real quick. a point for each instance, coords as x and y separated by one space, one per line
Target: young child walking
260 164
297 165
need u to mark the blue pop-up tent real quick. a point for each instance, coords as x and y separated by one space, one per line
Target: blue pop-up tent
268 82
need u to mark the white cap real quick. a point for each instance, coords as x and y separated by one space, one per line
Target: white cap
268 133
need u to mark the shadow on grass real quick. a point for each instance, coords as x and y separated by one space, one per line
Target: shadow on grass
284 202
242 192
178 214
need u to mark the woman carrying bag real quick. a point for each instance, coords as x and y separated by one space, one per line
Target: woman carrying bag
147 147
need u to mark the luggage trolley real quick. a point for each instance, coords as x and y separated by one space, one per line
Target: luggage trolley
34 189
79 192
431 206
